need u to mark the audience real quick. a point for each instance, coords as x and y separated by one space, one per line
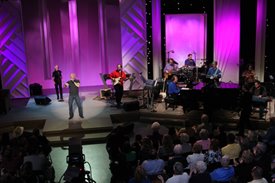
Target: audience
213 156
198 174
166 149
257 174
244 166
196 156
25 157
186 146
155 137
232 149
178 157
178 175
225 173
140 176
204 140
153 166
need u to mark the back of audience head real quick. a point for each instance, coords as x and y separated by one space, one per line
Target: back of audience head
167 141
260 149
155 126
200 166
203 134
178 149
214 145
172 131
139 174
184 138
231 138
247 156
204 118
153 154
197 148
178 168
225 161
257 172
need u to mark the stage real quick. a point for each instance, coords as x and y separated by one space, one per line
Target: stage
100 117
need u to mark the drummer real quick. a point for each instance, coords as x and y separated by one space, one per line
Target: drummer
189 62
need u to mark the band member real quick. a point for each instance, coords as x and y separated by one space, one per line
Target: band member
214 74
74 85
118 76
170 67
259 96
173 89
57 78
248 77
190 62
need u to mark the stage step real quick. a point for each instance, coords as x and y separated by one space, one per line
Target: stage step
57 141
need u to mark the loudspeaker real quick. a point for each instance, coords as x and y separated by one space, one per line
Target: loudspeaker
42 100
131 106
35 89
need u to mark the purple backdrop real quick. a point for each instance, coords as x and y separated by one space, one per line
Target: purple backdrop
227 38
186 33
67 33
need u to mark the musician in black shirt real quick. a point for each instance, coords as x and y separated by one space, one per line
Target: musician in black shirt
57 78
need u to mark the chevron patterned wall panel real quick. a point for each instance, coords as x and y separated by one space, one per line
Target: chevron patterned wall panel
12 50
133 39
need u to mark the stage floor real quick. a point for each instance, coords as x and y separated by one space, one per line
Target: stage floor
53 120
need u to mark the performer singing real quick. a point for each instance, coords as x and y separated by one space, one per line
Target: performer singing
118 76
74 85
214 74
248 77
190 62
57 78
170 67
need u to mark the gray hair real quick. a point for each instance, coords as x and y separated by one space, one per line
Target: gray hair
178 168
178 149
201 166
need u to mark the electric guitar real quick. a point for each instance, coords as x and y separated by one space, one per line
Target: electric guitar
116 81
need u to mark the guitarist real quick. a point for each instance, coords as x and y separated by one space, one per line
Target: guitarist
213 76
118 76
170 68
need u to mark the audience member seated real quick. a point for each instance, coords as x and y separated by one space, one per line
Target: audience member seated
43 142
244 166
259 96
146 149
269 137
153 166
140 176
195 156
213 155
219 134
166 149
257 174
232 149
155 137
173 133
199 173
136 146
262 158
186 146
178 157
204 140
178 176
225 173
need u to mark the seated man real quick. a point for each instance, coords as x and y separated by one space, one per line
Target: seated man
259 96
225 173
173 89
213 75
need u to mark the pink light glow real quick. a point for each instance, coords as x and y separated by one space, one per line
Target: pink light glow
227 38
186 33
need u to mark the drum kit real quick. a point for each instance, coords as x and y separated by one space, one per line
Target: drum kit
188 74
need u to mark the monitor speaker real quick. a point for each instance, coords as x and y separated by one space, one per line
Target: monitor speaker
131 106
42 100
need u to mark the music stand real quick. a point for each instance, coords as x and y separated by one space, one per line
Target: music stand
149 86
